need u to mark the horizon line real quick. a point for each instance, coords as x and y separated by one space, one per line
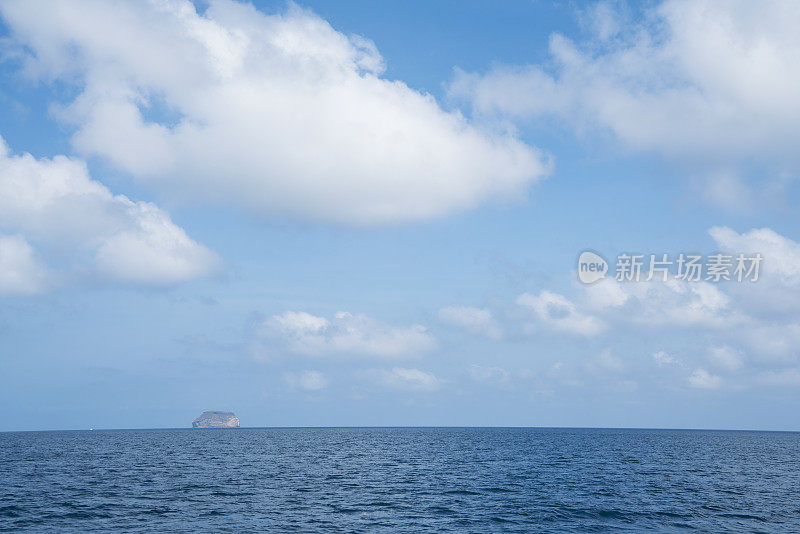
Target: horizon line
355 427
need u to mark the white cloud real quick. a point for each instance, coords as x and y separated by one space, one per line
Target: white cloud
21 273
702 379
489 375
54 204
781 255
300 323
742 330
733 337
307 380
559 313
711 81
404 379
686 304
657 303
345 334
606 293
775 296
278 113
476 320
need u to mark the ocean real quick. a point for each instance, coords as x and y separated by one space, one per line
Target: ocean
400 480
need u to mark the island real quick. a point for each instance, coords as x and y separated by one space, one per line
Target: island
216 420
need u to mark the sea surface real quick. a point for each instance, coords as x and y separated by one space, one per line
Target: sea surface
400 480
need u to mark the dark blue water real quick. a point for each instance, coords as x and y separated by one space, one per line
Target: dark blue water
400 480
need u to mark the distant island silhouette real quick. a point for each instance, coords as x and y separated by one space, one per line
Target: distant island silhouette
214 419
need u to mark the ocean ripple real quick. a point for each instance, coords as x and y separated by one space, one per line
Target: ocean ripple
400 480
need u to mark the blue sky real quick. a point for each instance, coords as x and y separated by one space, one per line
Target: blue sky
370 214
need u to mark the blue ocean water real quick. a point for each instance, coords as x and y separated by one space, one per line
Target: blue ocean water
400 480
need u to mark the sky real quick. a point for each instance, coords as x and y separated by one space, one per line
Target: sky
371 213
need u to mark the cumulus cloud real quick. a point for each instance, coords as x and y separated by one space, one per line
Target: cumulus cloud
55 205
606 294
608 304
279 113
556 311
702 379
705 81
723 331
401 378
781 255
776 294
344 334
476 320
21 272
308 380
671 303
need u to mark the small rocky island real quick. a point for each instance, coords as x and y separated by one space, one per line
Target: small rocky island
216 420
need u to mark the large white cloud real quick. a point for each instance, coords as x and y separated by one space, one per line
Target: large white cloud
21 273
55 205
699 79
279 113
344 334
